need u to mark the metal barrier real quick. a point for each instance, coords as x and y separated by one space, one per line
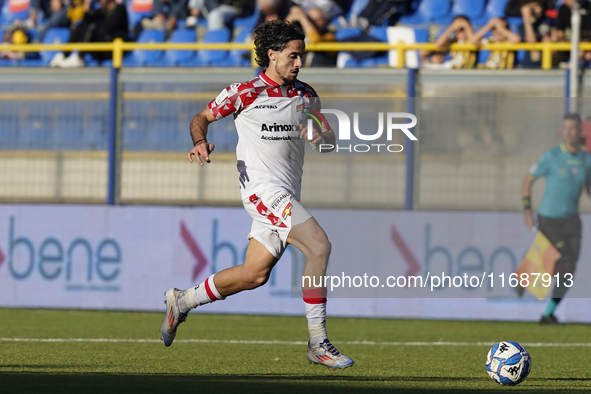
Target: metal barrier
118 47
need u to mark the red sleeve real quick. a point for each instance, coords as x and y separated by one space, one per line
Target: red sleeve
227 102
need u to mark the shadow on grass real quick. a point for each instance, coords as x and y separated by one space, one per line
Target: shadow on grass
65 383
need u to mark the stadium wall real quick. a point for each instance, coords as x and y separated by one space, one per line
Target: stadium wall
125 257
479 132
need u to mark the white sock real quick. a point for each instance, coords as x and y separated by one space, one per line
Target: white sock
203 294
316 315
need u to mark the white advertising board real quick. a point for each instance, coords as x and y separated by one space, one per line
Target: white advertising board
125 258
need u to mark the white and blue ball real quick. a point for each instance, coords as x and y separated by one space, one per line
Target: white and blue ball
508 363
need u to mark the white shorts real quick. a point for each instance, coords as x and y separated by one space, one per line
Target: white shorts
274 213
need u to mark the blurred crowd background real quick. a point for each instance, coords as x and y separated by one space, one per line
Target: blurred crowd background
413 21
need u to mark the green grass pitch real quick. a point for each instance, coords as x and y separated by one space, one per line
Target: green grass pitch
219 366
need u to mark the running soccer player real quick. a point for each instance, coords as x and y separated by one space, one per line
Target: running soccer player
270 155
567 169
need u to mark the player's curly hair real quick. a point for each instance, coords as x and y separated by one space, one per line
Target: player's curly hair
274 35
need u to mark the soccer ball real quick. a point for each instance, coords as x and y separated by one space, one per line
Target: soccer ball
508 363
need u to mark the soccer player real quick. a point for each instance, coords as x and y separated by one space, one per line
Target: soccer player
270 155
567 169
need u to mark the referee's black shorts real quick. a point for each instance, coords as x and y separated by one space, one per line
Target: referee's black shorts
565 235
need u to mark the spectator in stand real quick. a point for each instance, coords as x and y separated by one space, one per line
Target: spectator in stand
585 56
329 8
167 13
535 28
54 10
219 13
379 12
290 11
563 20
500 32
513 7
460 31
104 24
562 26
321 59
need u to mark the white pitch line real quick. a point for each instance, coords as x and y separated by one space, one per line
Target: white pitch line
246 342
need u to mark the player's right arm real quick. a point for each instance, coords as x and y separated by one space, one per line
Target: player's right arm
540 168
199 125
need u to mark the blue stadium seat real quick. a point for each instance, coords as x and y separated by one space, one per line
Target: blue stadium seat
493 9
422 35
137 10
347 32
173 57
240 57
428 11
247 22
482 57
56 35
380 33
14 10
470 8
141 57
211 57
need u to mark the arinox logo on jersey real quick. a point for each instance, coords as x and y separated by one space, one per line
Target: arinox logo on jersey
279 127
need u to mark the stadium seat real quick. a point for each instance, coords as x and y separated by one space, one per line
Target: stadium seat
379 33
428 11
422 35
247 22
174 57
56 35
470 8
240 57
141 57
408 36
347 32
213 57
493 9
14 10
137 10
482 57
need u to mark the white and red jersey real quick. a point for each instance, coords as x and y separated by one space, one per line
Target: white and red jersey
270 151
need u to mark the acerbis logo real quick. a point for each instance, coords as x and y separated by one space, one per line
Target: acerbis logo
265 106
279 127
